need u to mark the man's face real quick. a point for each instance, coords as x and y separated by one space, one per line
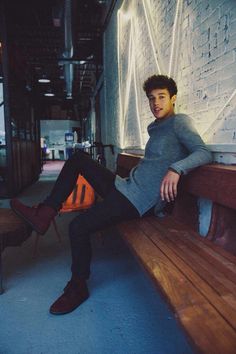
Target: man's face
161 104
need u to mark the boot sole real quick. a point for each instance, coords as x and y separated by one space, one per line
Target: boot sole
28 222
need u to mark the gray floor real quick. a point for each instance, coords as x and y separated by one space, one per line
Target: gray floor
124 314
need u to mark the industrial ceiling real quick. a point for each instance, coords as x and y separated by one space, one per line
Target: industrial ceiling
59 41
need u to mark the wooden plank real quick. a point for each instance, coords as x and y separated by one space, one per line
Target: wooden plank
199 318
211 334
214 278
220 277
214 182
161 268
192 270
208 260
213 250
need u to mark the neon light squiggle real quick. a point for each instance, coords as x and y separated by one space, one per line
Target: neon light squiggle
119 75
135 87
151 38
175 33
124 107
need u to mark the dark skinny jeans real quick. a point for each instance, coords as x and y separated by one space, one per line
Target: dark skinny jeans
115 207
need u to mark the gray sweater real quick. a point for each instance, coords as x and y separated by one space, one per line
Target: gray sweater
173 143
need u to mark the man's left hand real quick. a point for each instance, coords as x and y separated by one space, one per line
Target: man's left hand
169 186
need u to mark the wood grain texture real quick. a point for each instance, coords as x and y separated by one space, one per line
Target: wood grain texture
188 294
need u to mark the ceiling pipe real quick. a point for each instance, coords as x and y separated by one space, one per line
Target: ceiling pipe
69 49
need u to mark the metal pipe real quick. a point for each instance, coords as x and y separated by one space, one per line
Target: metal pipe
69 50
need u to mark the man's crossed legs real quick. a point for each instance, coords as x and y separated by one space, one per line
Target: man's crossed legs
114 208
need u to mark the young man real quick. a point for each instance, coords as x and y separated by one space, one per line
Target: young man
174 147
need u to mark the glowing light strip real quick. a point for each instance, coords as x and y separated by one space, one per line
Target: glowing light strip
151 39
130 69
218 114
124 108
135 84
136 92
177 16
119 74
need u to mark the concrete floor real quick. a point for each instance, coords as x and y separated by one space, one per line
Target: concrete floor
125 314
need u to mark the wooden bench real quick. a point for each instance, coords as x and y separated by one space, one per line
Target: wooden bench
13 232
196 276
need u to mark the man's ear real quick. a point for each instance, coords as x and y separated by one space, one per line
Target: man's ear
173 99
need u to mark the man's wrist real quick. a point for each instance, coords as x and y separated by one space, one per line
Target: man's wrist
173 170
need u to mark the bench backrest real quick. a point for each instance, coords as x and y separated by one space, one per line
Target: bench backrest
215 182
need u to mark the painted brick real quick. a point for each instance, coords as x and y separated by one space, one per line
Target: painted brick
227 6
232 27
211 90
211 19
233 13
230 123
226 84
231 44
215 3
223 136
208 13
226 72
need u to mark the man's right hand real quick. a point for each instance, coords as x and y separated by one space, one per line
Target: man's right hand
169 186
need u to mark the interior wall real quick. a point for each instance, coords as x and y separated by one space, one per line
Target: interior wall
54 130
193 41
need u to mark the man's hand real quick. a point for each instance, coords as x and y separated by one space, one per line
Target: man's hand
169 186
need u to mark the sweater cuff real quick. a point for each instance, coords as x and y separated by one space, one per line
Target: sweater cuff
176 170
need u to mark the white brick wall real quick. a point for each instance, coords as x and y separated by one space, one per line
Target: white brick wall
204 47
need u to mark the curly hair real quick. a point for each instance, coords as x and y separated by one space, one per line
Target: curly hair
160 82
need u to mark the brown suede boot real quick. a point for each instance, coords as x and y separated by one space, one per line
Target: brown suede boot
38 217
75 293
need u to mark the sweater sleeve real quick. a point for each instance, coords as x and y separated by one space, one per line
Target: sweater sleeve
191 140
